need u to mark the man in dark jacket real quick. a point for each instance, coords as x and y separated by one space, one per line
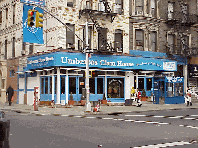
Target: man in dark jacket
10 93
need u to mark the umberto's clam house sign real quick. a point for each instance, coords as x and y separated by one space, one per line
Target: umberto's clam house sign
100 61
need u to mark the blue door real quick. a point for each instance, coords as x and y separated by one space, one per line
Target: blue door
73 87
63 88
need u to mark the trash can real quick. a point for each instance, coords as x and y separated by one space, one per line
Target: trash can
4 131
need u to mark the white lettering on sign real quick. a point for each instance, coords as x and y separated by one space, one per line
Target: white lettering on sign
66 60
195 68
169 65
40 60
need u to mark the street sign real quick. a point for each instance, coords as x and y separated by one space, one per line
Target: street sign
31 33
37 2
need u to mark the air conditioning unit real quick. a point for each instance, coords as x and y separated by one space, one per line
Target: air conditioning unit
118 9
139 12
139 43
22 52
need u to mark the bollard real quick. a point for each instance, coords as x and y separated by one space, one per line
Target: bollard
4 131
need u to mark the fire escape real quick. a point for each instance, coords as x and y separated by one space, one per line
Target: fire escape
105 11
181 22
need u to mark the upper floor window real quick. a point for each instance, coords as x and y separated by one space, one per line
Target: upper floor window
153 41
139 38
70 3
118 44
6 48
70 36
184 12
12 73
23 46
13 47
152 8
171 43
102 39
139 7
14 7
170 10
6 13
0 17
118 6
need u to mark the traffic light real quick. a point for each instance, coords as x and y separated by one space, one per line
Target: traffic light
30 18
94 74
39 19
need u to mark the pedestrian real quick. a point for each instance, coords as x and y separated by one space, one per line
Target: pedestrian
138 94
188 96
10 93
133 93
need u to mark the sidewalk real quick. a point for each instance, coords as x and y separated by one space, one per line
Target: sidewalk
80 110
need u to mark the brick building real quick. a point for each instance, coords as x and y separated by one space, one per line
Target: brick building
139 28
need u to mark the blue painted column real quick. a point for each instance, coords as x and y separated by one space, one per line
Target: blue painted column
67 87
58 86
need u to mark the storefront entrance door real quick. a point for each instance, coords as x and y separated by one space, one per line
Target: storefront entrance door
63 89
158 92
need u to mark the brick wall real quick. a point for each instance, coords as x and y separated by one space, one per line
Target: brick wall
12 64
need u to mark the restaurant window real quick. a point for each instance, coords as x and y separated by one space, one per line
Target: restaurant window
50 91
170 89
70 38
115 88
134 82
72 85
81 84
139 7
100 85
63 85
46 85
42 85
141 83
92 85
148 84
55 85
139 37
178 89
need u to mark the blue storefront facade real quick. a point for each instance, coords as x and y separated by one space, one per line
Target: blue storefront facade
59 74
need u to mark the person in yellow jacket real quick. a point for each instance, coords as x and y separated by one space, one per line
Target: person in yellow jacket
133 92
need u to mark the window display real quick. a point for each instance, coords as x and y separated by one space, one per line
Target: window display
115 88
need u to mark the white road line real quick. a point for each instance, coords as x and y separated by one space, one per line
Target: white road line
189 118
163 123
78 116
176 117
129 120
165 145
90 117
136 115
65 115
193 115
152 122
107 118
140 121
159 116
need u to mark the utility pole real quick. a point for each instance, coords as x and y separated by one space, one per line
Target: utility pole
88 104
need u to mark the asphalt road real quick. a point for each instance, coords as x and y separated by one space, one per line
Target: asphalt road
168 128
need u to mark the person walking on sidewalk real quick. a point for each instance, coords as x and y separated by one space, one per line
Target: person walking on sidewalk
138 98
188 96
10 93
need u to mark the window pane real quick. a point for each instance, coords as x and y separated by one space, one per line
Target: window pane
62 85
99 85
42 84
141 83
115 88
72 85
46 85
178 89
149 83
134 82
50 85
139 35
70 34
92 85
55 85
81 84
170 90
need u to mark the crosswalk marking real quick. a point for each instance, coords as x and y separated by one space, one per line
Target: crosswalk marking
136 115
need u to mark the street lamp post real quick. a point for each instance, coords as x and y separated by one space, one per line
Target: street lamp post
88 104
